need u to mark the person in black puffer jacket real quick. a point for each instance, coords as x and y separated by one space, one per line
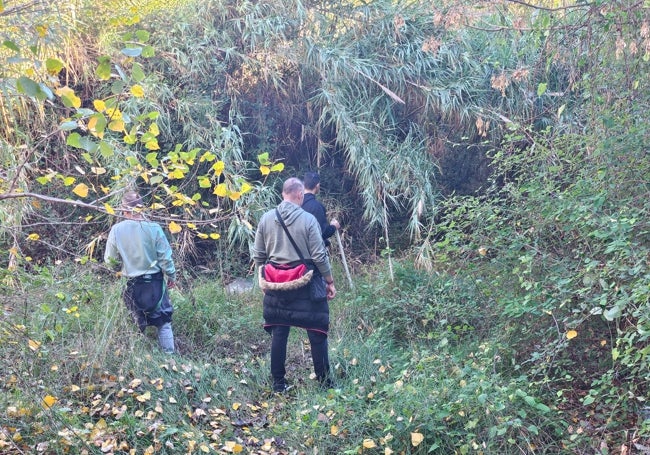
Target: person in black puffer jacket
306 307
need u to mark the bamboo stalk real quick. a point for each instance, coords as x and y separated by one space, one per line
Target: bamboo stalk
345 262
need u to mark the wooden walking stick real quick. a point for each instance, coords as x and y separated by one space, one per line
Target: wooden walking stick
345 263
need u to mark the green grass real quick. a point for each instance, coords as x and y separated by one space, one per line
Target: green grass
88 381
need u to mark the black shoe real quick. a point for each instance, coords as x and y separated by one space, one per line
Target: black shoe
280 387
282 390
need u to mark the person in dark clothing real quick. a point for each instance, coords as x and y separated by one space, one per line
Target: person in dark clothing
301 307
312 205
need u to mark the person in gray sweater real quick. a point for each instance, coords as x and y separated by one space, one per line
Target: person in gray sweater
143 251
306 307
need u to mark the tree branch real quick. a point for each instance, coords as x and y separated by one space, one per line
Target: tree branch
97 208
544 8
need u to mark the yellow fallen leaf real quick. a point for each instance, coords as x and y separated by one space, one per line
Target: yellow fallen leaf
416 439
369 444
571 334
215 236
334 430
33 236
233 447
49 401
144 397
174 227
236 406
34 345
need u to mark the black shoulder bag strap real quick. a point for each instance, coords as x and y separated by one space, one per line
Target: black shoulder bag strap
277 214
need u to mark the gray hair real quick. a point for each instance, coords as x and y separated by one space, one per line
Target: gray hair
293 185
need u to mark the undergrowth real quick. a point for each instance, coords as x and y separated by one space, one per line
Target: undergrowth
419 369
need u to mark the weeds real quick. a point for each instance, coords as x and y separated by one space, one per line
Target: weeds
418 370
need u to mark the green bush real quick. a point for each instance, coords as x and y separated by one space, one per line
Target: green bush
563 239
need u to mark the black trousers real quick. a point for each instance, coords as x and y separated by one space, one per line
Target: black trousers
147 299
319 355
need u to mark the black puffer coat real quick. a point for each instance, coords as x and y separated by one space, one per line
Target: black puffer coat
298 308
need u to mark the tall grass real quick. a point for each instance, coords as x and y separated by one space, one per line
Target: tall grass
79 374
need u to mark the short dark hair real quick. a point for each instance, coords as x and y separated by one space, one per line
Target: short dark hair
311 180
131 200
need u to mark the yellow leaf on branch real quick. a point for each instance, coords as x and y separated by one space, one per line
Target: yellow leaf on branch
137 91
152 145
218 167
221 190
174 227
100 105
69 98
81 190
116 125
